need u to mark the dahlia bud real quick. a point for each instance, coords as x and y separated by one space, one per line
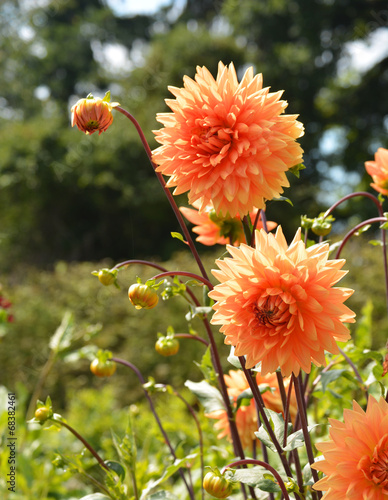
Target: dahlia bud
92 114
167 346
142 296
107 276
217 485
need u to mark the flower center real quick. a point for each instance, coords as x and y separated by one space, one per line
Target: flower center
375 468
270 311
92 125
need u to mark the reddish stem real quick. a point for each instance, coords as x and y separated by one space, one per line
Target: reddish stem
166 190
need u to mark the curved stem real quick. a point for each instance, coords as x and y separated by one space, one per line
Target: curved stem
127 263
156 416
184 273
166 190
352 195
84 442
190 336
355 229
273 471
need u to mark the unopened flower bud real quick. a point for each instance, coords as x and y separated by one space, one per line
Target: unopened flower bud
142 296
217 485
42 414
107 276
321 227
167 346
92 114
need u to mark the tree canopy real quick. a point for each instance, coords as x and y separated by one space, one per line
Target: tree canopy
72 197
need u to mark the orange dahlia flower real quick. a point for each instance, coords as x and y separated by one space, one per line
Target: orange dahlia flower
378 170
227 143
246 416
356 458
213 229
92 114
277 304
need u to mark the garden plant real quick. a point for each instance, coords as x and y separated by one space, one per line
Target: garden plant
302 410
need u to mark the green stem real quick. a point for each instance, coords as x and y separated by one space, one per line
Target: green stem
83 441
134 368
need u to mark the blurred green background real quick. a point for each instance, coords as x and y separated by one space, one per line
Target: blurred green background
71 203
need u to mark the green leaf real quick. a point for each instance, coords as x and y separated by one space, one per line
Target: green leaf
244 399
234 360
376 243
296 169
283 198
107 96
178 236
255 477
330 376
117 468
63 335
209 396
207 368
362 229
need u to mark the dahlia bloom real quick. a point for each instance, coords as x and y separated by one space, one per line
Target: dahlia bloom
227 143
277 304
356 458
213 229
92 114
378 170
246 416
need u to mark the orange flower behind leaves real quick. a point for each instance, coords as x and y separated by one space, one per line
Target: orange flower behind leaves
277 304
92 114
356 459
227 143
378 170
246 416
213 229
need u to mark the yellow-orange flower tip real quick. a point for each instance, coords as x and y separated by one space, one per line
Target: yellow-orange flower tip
246 416
277 305
93 114
356 459
227 143
212 229
378 170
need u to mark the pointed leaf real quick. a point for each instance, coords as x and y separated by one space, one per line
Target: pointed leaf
209 396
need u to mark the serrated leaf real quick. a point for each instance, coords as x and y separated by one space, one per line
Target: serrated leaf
209 396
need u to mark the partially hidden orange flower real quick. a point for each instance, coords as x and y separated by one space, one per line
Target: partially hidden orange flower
93 114
246 416
378 170
277 304
356 459
227 143
213 229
